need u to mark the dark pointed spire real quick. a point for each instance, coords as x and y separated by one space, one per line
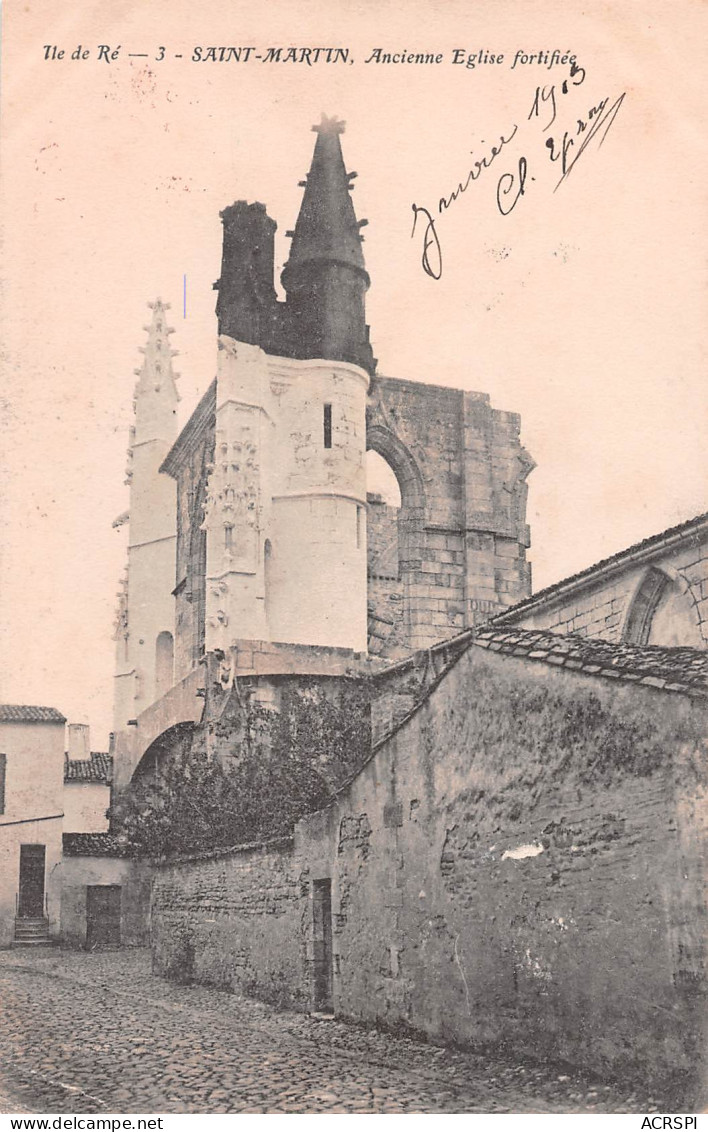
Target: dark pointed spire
325 277
327 229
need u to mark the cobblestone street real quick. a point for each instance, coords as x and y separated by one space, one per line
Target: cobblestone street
95 1033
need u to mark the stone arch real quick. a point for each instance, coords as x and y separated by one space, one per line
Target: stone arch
380 439
168 744
662 611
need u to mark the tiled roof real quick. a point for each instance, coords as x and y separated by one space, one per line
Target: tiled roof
28 713
673 669
96 769
94 845
655 542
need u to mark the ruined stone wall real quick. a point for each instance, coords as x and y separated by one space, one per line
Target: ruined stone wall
398 689
462 530
387 634
235 921
315 723
610 605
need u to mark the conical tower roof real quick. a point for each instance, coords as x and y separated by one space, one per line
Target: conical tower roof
327 229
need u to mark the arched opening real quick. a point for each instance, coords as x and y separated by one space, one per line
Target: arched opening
662 613
393 530
381 479
383 498
644 603
164 663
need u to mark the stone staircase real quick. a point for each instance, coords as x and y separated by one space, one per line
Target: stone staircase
32 932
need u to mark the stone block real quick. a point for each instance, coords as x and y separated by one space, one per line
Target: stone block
506 548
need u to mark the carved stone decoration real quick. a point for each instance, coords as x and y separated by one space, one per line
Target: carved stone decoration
233 496
517 488
227 665
121 621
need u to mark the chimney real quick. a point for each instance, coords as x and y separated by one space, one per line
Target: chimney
78 741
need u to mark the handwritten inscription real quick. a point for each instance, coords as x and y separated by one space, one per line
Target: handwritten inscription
562 149
570 148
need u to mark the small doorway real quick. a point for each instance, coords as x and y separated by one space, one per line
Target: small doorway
322 937
30 903
103 915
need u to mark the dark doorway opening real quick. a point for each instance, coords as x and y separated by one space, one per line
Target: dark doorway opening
30 904
322 936
103 915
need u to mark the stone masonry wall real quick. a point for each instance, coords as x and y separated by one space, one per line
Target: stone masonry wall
190 580
533 872
602 605
386 612
462 531
234 921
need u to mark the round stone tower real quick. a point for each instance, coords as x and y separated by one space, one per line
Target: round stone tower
286 510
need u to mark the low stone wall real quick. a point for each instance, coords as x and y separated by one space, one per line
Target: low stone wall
234 920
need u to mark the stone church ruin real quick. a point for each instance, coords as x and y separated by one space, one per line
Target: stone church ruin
367 786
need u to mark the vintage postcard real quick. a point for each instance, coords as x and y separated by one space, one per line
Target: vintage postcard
354 558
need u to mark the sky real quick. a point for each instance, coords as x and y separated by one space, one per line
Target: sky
582 307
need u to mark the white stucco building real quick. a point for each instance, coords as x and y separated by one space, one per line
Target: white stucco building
31 821
87 784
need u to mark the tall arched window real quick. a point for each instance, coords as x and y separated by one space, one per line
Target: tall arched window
644 603
164 663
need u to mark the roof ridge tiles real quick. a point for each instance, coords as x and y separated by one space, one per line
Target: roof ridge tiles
30 713
675 669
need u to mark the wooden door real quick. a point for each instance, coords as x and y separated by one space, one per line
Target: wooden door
31 895
322 936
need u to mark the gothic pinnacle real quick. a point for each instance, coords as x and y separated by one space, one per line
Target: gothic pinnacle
155 375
